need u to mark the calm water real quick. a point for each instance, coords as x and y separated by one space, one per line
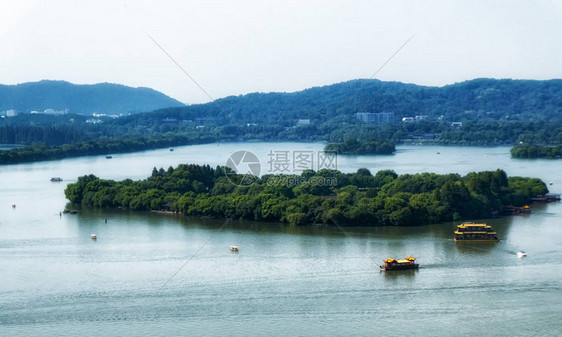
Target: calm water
285 281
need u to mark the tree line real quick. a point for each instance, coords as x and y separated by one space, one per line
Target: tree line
63 140
354 146
100 146
536 151
323 197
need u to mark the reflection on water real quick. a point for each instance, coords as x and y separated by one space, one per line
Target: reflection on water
399 274
475 248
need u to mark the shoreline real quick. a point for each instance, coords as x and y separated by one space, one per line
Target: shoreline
255 142
177 213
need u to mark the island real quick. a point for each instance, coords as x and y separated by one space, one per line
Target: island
324 197
536 151
368 147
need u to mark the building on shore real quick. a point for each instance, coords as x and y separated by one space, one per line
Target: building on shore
376 118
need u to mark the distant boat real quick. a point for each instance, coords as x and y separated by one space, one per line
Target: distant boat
438 152
521 253
171 150
93 236
234 249
108 157
56 179
13 205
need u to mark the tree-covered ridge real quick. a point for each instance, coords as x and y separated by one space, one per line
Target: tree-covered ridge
353 146
82 98
536 151
478 100
322 197
492 112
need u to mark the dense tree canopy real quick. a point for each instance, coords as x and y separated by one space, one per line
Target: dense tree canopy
82 98
353 146
492 112
479 100
323 197
530 151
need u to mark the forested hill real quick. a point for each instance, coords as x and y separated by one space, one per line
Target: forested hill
493 112
478 99
100 98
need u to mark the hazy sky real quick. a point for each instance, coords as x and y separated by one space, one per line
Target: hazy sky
236 47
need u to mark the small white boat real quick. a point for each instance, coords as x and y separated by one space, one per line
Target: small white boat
521 253
93 236
234 249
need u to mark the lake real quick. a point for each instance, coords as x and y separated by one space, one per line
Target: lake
285 281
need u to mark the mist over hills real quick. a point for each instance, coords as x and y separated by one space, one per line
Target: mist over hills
104 98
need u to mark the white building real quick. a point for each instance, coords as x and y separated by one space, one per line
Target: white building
376 118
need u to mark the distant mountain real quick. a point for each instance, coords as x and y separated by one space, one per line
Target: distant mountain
82 98
478 99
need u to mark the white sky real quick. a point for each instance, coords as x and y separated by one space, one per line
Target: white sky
236 47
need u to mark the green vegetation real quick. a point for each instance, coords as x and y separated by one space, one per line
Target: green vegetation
349 138
100 146
323 197
492 112
475 100
536 151
98 98
353 146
